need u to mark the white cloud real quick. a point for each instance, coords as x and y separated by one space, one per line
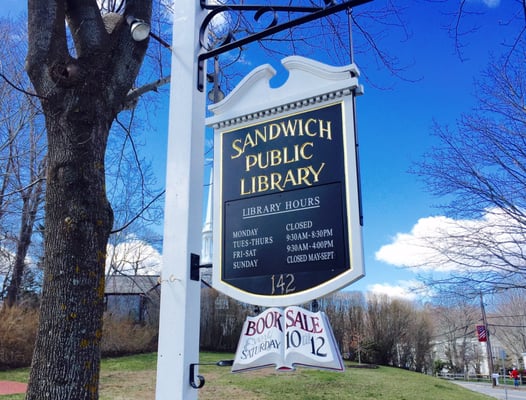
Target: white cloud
407 290
133 256
488 3
411 249
443 244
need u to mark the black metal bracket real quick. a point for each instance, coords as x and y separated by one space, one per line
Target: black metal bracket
195 266
228 42
198 381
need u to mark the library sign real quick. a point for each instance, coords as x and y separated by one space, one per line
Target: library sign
287 214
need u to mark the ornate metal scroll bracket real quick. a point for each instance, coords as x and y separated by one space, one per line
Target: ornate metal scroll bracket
229 42
198 381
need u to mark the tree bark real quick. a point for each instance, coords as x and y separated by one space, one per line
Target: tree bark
81 95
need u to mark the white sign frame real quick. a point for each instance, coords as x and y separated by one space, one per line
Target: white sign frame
310 85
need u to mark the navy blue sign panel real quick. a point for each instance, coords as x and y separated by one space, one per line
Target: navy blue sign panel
284 203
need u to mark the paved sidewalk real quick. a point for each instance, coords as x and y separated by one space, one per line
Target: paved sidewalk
498 392
9 387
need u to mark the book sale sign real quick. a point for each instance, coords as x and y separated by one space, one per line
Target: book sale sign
286 205
286 338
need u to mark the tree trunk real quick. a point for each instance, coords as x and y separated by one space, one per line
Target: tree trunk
77 226
30 204
80 95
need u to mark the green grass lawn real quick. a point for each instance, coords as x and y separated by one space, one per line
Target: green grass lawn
307 384
133 378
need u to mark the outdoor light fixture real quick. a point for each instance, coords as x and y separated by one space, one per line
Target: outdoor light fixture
216 94
139 29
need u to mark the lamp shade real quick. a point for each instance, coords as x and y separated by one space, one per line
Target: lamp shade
139 30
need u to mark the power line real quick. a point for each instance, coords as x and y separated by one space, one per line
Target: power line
508 326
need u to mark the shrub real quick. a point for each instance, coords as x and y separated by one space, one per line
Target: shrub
19 326
122 336
17 336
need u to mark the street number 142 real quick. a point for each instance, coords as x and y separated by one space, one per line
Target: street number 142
282 284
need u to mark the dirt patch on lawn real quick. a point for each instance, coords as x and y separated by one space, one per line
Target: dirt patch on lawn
137 385
140 385
214 392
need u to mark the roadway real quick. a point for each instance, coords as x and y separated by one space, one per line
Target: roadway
498 392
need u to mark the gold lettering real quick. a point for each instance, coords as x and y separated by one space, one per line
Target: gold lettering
316 173
260 135
243 190
275 181
303 154
290 178
303 175
249 141
236 147
250 161
327 129
297 127
275 157
274 131
307 127
263 184
294 158
289 129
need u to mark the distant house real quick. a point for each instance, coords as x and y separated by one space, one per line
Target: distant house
133 296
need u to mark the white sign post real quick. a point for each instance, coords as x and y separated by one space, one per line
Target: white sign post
180 296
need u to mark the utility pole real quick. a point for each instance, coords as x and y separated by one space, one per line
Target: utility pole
488 342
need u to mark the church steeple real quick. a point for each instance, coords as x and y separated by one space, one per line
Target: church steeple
207 233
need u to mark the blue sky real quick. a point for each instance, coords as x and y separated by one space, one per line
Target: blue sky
394 125
394 128
12 8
